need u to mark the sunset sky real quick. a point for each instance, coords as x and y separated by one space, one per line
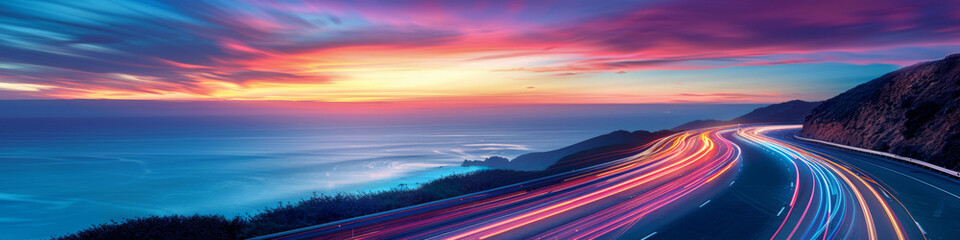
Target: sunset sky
465 51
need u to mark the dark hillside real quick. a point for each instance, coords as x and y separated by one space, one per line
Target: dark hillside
913 112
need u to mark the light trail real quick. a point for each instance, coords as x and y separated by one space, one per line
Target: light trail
659 183
675 173
834 192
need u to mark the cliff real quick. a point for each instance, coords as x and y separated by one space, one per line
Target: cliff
913 112
786 112
616 140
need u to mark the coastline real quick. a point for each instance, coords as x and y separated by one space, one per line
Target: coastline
324 208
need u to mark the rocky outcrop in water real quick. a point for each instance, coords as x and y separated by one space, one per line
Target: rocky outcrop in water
913 112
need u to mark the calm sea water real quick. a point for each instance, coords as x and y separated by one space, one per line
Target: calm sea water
62 174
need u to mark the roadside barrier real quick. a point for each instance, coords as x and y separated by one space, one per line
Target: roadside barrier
920 163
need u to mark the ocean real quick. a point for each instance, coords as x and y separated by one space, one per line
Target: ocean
62 171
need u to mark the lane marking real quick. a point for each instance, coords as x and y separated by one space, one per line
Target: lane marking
921 228
781 211
905 175
731 183
885 194
704 203
915 179
648 236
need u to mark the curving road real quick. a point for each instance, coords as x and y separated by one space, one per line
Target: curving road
697 180
833 200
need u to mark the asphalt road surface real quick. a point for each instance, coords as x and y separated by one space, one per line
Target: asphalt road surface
754 182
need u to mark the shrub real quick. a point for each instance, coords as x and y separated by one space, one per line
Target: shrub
164 227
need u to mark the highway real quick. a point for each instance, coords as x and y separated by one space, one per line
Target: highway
792 189
832 200
754 182
675 175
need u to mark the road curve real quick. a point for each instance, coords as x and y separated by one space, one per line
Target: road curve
830 199
832 194
674 175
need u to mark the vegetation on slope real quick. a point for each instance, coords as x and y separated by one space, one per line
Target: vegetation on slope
319 209
324 208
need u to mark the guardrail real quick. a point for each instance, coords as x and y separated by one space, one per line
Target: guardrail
887 155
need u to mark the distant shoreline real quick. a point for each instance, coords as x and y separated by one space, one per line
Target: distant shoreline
322 208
